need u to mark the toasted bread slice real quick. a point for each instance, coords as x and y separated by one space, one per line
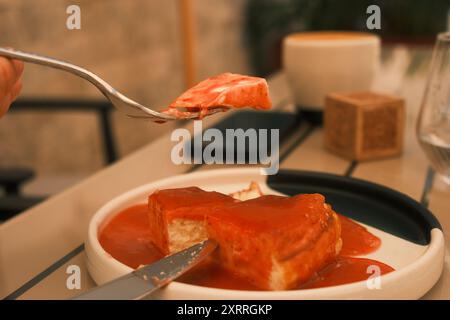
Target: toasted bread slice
177 219
177 216
274 242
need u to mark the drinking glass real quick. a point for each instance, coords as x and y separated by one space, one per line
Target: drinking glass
433 125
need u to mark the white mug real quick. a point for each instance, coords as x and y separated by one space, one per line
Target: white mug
317 63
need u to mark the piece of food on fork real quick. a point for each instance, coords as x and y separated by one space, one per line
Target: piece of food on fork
223 92
274 242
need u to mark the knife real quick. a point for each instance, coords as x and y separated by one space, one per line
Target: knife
150 278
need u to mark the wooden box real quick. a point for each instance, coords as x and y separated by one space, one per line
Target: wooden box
364 125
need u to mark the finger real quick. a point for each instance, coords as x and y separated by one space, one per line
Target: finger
16 89
18 67
5 103
7 76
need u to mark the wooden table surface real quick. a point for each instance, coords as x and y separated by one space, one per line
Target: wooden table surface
37 246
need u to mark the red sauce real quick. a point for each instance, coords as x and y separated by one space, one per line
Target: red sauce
345 270
126 237
214 276
356 240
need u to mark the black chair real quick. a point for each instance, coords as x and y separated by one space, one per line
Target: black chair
12 201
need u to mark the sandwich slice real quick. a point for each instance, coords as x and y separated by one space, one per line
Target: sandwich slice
274 242
177 216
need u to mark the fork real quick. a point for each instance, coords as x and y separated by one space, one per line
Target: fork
130 107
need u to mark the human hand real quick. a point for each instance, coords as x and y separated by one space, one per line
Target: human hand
10 82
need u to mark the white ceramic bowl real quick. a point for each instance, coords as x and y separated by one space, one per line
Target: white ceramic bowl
417 267
317 63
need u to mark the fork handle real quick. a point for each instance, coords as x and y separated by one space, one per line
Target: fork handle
57 64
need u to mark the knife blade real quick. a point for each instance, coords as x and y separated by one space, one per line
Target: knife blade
150 278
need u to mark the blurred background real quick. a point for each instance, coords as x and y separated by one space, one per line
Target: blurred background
61 130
